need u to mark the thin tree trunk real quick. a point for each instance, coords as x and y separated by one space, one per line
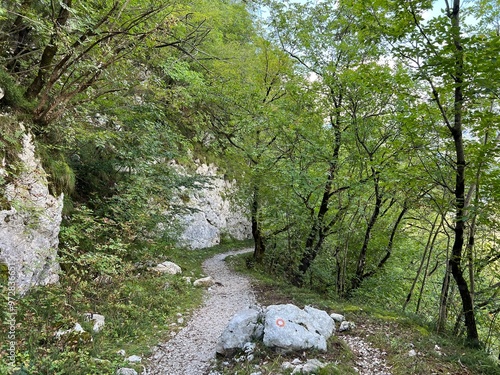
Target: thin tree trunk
360 268
431 247
259 249
443 300
445 289
390 244
417 276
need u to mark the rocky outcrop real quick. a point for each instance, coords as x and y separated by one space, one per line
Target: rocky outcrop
213 213
29 229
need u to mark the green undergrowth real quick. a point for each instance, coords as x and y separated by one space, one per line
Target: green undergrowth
393 332
141 309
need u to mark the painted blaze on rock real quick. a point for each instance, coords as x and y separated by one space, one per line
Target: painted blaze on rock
285 327
289 328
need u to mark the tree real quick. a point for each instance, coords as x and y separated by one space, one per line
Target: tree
244 120
61 51
452 59
331 47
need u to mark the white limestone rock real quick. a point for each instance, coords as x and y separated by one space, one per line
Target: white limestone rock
134 359
321 321
346 326
168 267
289 328
29 230
337 317
312 366
243 328
76 329
98 320
213 213
204 282
126 371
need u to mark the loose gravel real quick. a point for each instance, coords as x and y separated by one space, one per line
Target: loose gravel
193 347
369 360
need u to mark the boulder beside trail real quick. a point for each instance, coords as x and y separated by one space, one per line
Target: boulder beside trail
289 328
205 282
246 326
283 327
168 268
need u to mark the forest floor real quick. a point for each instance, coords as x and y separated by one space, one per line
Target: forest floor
192 350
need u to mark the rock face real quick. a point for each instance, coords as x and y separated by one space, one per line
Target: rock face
29 229
289 328
214 214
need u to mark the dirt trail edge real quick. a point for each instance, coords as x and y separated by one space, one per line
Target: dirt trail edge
191 350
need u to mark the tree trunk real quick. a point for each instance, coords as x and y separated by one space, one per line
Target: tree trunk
317 234
426 271
259 249
421 266
360 268
456 131
443 300
445 291
48 53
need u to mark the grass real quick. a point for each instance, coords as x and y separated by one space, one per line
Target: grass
394 332
141 309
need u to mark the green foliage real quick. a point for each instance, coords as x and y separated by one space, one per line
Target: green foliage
14 95
62 178
10 146
88 247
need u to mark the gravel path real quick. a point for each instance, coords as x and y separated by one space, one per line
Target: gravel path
369 360
191 350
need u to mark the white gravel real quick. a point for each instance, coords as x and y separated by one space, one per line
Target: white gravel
369 360
192 349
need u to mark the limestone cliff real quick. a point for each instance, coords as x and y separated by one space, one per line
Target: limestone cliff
29 229
215 214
